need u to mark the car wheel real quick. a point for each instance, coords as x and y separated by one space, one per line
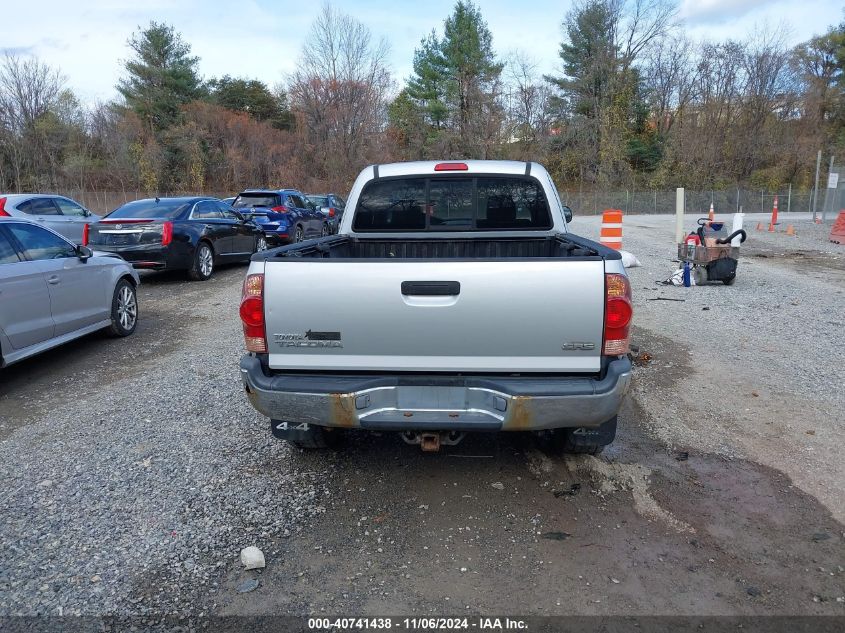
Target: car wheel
124 309
324 231
260 244
298 235
203 265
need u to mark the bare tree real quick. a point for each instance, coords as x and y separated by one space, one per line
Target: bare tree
670 77
339 93
29 90
527 104
641 22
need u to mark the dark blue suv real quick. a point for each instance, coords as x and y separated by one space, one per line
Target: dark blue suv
285 215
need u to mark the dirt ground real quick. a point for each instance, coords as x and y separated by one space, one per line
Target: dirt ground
693 510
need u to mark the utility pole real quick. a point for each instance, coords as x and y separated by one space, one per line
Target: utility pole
815 197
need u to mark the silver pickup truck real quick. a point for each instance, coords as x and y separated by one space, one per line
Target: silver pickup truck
453 299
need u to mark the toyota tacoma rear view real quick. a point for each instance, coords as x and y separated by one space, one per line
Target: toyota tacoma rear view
453 299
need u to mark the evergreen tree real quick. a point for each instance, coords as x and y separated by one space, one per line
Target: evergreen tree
161 77
253 97
467 49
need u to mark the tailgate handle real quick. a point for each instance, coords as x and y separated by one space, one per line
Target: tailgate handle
431 288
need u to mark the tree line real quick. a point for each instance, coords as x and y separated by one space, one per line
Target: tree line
635 103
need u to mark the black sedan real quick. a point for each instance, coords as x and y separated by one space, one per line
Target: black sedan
192 234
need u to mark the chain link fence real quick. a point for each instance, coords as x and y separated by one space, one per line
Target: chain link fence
101 202
630 202
831 201
697 202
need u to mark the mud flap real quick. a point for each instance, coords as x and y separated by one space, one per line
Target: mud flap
292 431
598 436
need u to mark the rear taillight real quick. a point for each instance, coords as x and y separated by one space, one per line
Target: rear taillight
166 233
252 313
86 234
3 212
451 167
280 209
618 311
331 212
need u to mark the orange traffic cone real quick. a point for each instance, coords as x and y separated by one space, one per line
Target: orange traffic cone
759 226
774 213
711 216
790 230
771 228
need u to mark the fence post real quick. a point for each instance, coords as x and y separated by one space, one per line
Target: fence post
814 196
680 203
827 192
789 199
762 203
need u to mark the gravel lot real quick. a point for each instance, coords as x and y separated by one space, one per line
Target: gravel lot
133 471
146 474
758 376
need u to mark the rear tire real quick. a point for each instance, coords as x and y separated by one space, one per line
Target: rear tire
203 264
260 244
124 309
325 231
729 281
583 441
298 235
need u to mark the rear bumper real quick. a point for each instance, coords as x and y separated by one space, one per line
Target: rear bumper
404 403
276 238
141 256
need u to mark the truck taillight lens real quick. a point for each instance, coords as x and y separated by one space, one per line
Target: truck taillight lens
166 233
252 313
3 212
86 234
618 311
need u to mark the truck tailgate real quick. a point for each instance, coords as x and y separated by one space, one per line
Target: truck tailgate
541 315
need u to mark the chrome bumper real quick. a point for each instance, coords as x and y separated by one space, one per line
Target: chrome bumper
400 403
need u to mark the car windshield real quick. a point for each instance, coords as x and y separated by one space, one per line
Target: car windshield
320 201
249 200
150 209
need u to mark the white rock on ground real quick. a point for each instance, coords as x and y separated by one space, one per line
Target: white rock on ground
252 558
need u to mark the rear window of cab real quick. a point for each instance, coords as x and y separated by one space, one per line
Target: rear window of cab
423 203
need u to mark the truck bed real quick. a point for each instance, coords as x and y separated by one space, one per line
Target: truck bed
452 304
448 247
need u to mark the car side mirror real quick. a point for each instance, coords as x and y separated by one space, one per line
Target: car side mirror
567 213
84 253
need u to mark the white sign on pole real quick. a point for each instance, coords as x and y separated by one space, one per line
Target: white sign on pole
832 180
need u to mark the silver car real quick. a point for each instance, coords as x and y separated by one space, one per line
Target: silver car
58 213
53 291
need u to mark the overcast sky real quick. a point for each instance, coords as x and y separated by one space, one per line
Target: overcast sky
261 39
